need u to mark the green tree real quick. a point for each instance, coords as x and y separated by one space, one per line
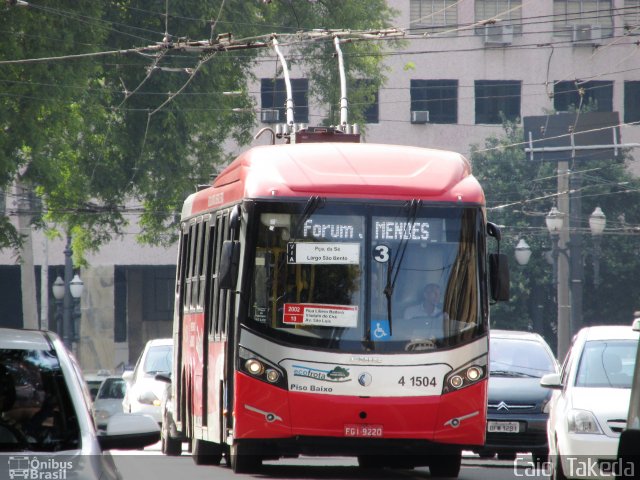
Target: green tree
91 133
519 195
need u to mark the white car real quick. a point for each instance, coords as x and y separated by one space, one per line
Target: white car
144 392
588 410
46 430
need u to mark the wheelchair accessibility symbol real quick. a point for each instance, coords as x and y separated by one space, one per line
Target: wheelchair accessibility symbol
380 330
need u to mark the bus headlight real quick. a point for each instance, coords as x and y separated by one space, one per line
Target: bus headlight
261 368
456 381
466 375
254 367
272 375
474 373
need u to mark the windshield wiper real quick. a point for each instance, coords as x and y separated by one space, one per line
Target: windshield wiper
394 267
309 209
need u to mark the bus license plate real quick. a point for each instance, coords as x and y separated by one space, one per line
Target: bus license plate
503 427
358 430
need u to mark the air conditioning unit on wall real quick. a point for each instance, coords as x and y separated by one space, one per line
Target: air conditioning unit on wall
420 116
588 34
269 115
498 34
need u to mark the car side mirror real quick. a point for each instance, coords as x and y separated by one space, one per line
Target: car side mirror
127 375
551 380
130 431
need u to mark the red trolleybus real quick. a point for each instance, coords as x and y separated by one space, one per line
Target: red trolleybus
296 270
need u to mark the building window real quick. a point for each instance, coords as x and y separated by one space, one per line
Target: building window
437 97
631 103
497 98
365 93
158 293
597 96
508 11
580 18
274 100
631 14
432 16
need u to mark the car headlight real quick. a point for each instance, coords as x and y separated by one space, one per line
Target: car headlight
149 398
582 421
101 416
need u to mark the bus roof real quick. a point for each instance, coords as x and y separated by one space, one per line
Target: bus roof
341 170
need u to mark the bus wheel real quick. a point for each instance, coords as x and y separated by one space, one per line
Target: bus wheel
205 453
445 465
242 461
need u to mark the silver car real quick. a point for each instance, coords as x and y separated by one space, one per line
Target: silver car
46 430
108 400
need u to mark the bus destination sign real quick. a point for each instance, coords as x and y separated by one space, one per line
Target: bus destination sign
321 315
323 253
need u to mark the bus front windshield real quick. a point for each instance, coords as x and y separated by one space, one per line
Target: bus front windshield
356 278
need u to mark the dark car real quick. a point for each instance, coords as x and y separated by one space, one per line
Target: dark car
517 408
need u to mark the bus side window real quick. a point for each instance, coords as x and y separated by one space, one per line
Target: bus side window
213 277
215 297
186 269
195 274
182 275
223 295
204 258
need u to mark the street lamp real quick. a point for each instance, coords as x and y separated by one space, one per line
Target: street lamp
67 292
554 221
523 252
68 328
75 288
597 222
58 293
573 276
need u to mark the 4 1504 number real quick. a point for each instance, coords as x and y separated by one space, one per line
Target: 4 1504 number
418 381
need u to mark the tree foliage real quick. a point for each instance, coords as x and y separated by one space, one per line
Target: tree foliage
519 195
92 133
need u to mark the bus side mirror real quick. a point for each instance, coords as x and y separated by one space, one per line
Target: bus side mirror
229 261
499 277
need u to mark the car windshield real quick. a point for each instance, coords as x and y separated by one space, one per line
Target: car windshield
607 363
313 284
158 359
36 409
519 358
112 388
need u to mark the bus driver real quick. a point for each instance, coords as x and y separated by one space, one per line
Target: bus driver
429 311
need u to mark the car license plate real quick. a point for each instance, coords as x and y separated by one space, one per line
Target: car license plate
359 430
503 427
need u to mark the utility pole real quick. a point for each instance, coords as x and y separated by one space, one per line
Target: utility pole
563 296
575 245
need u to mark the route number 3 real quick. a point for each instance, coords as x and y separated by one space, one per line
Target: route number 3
381 253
